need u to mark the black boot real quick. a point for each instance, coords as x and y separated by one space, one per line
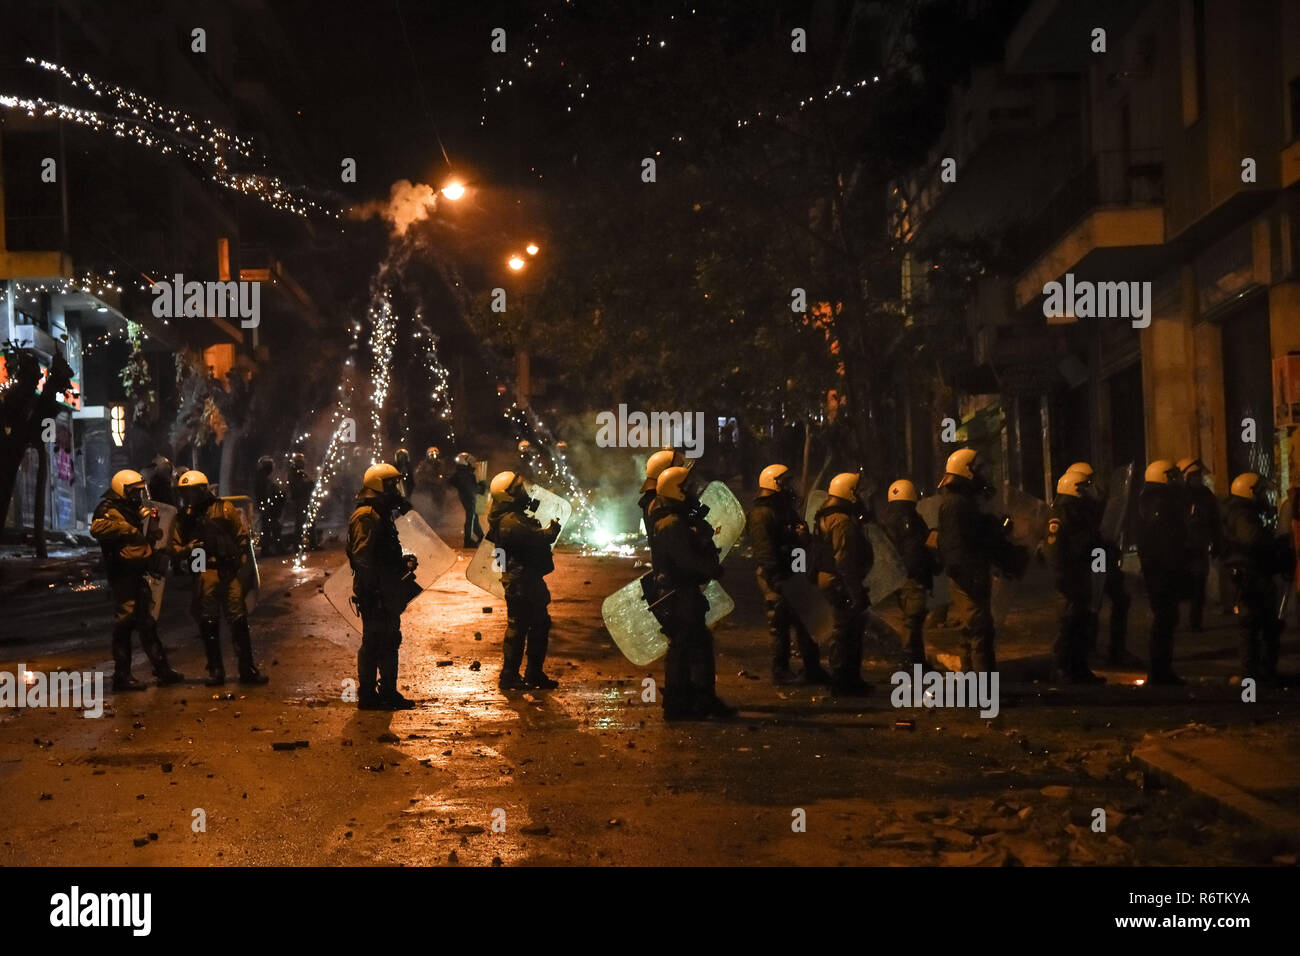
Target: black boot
157 654
512 655
239 636
210 633
712 706
680 704
778 635
123 680
389 696
539 641
367 695
678 697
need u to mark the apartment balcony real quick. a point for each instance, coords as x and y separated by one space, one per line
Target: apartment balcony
1105 217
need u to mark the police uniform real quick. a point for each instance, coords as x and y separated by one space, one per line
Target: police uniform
1253 555
219 528
300 489
1113 585
128 557
467 487
908 532
1204 539
775 530
843 559
968 539
378 566
270 506
1162 548
1068 546
528 559
684 558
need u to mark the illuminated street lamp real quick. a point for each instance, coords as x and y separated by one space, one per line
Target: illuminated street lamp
532 248
516 263
454 190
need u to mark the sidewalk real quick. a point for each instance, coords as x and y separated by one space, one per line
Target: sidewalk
1252 772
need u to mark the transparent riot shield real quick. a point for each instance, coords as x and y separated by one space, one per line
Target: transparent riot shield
887 573
627 614
165 521
416 537
484 569
1114 519
816 499
249 576
725 514
1114 526
1029 516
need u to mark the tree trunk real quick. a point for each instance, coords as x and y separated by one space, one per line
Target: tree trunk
807 457
233 435
38 510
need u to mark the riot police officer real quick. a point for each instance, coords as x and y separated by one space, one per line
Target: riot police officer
382 585
1253 555
843 558
971 543
161 483
909 533
1068 546
1204 534
300 489
125 526
428 473
270 505
402 462
684 558
1113 584
654 467
218 528
1162 548
775 531
528 559
468 487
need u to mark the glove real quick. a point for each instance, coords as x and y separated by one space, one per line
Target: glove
412 562
553 528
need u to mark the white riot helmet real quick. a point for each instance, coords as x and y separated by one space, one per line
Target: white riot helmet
671 483
903 490
774 478
845 485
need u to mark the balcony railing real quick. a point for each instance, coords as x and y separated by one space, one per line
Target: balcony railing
1111 179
